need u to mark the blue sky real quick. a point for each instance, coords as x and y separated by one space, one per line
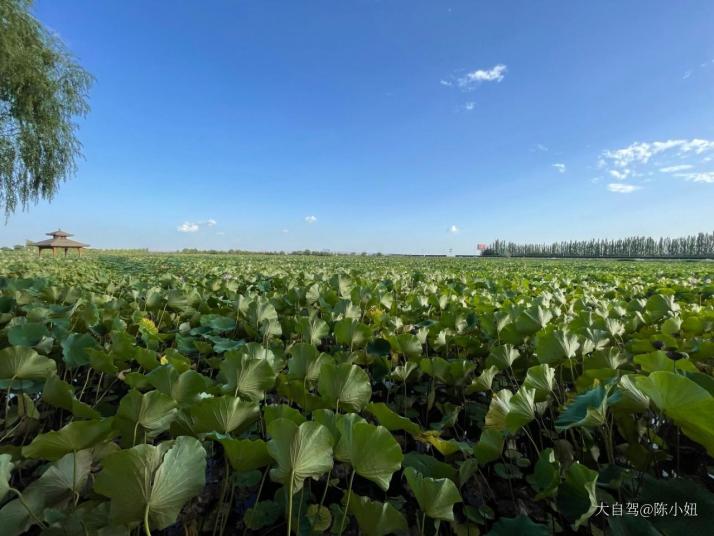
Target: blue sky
393 125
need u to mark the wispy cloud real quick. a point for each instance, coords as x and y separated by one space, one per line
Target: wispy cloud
495 74
285 231
541 147
454 229
472 79
675 169
194 226
687 74
187 227
560 167
310 219
705 176
620 188
681 158
469 106
220 233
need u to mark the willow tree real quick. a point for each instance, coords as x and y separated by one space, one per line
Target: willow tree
42 93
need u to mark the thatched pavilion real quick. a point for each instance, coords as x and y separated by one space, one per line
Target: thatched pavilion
59 240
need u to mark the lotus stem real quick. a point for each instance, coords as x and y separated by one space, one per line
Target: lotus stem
147 531
347 504
26 506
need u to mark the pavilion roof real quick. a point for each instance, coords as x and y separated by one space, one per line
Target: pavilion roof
60 233
60 242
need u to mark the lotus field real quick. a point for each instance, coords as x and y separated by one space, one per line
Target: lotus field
190 394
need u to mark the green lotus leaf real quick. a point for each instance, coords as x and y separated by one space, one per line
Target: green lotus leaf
521 409
489 446
6 467
629 397
375 518
76 436
218 323
298 392
658 360
659 306
553 346
152 483
540 378
577 499
344 385
517 526
223 415
611 358
55 489
263 317
28 334
352 333
532 319
508 412
246 454
405 344
60 394
502 356
436 496
147 359
74 349
312 330
20 363
546 476
300 452
429 466
262 514
391 420
679 492
305 362
484 381
685 402
270 413
587 410
144 415
498 410
371 450
671 392
246 376
183 387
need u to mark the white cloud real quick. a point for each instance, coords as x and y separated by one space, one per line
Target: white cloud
620 175
542 147
285 231
559 167
193 227
494 74
642 152
454 229
687 74
310 219
187 227
705 176
446 83
675 169
642 159
620 188
469 106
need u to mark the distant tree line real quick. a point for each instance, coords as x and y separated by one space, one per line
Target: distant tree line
692 246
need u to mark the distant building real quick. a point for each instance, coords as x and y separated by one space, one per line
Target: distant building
59 240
